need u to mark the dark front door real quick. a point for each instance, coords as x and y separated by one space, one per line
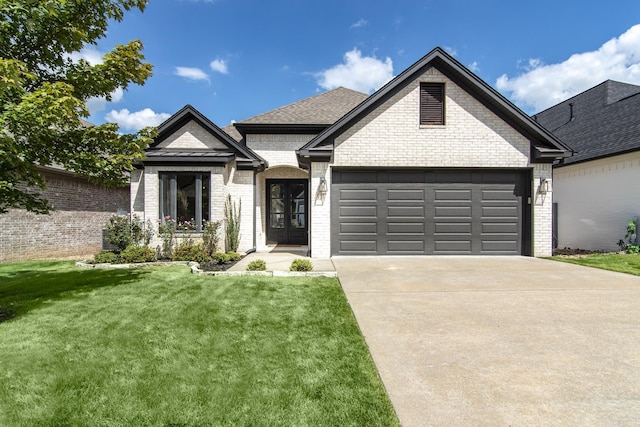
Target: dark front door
287 211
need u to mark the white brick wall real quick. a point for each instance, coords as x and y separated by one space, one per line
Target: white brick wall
320 207
392 136
191 136
595 200
542 212
278 149
137 192
240 187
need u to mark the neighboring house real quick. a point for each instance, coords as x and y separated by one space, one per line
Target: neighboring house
74 228
596 190
435 162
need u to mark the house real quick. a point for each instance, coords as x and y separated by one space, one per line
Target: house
434 162
73 229
596 190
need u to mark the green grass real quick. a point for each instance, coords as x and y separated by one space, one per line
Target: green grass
158 346
623 263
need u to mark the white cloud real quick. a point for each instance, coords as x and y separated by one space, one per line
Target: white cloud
220 66
99 103
362 73
360 23
542 86
136 120
89 53
189 73
451 51
474 66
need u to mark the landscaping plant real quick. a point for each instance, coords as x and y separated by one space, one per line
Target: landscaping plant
301 264
232 224
210 237
190 251
137 253
257 265
125 230
106 257
167 232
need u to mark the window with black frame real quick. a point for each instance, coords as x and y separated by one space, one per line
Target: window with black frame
184 198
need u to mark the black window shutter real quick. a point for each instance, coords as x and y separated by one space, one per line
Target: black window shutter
432 103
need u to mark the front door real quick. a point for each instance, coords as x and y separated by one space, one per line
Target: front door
287 211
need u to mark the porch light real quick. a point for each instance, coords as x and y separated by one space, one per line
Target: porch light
545 186
322 187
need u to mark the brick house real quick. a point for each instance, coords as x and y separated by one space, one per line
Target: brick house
74 228
435 162
596 189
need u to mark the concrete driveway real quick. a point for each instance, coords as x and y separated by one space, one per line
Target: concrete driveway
499 341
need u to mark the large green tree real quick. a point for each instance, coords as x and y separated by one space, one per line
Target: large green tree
43 95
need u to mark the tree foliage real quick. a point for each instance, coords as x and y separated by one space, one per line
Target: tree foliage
43 94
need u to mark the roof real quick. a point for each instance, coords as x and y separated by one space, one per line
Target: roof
240 152
545 146
600 122
310 115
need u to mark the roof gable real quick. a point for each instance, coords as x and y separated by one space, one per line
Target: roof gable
545 146
219 147
599 122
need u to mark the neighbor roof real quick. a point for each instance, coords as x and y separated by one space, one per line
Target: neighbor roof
545 146
311 115
599 122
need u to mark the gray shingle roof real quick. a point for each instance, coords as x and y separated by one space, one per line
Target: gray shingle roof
605 122
325 108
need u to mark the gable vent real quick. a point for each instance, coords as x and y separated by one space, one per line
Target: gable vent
431 104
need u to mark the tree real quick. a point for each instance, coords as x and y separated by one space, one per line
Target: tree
43 94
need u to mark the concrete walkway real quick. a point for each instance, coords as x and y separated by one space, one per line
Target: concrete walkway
500 341
279 258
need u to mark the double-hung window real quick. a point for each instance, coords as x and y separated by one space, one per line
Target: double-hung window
431 104
184 198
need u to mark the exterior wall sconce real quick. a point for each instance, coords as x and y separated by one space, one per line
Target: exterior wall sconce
545 186
322 187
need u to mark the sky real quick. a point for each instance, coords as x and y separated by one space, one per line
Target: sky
234 59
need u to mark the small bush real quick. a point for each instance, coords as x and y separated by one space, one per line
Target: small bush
189 251
211 237
234 256
221 258
136 253
257 265
301 264
124 231
105 257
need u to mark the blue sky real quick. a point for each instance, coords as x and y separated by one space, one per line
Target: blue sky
233 59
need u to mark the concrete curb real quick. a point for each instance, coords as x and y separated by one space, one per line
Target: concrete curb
195 269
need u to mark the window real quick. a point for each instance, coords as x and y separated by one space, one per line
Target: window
431 104
184 197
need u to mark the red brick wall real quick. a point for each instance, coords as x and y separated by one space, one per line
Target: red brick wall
73 229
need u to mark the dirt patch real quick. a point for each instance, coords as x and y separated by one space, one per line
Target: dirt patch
6 314
574 253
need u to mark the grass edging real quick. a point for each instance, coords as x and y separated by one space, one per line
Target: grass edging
85 264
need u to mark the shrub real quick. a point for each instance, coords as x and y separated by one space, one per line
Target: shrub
167 232
301 264
137 253
123 231
107 257
257 265
234 256
630 246
189 251
232 220
221 258
210 237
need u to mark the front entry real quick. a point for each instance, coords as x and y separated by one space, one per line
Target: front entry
287 211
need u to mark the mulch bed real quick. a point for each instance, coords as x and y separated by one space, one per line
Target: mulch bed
574 253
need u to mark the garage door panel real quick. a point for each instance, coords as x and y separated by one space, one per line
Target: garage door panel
358 211
428 212
405 246
365 228
405 212
358 195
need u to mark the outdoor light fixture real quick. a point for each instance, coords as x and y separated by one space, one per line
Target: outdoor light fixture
322 187
545 186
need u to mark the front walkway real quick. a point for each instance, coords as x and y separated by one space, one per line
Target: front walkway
279 258
499 340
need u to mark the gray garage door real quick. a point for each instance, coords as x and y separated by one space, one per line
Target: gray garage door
410 212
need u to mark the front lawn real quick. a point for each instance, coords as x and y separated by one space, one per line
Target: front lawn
158 346
623 263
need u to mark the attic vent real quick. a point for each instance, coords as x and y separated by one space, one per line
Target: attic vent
431 104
